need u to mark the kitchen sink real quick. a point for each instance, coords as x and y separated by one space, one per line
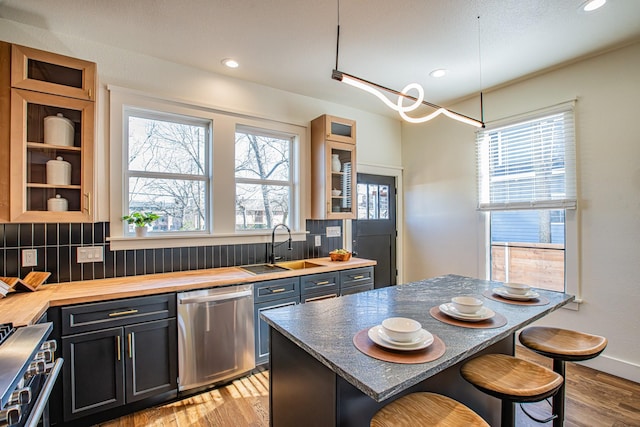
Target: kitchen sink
281 266
297 265
263 268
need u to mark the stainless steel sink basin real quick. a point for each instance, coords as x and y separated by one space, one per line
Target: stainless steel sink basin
297 265
263 268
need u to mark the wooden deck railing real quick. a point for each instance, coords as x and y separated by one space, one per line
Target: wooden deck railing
540 265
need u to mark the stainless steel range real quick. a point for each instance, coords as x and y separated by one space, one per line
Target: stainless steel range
27 374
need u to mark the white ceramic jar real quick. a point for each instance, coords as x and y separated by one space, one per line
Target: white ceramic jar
58 172
58 130
57 204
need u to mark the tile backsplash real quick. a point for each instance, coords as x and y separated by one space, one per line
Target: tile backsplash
57 245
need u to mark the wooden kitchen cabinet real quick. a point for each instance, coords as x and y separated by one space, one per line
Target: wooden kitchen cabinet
43 85
333 168
117 353
47 72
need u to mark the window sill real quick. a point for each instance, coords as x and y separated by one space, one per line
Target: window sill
175 241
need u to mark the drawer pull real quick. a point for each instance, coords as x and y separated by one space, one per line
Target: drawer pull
358 277
324 282
275 291
118 346
123 313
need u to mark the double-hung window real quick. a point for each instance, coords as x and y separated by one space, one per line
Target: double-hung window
527 182
263 177
168 169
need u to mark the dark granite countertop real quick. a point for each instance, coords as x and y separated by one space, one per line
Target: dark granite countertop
325 329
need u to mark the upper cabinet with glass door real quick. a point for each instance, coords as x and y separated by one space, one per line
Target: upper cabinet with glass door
333 160
52 135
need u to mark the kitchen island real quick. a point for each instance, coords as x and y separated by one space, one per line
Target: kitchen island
319 378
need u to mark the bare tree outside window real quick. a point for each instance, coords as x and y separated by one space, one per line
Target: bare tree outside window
263 179
168 170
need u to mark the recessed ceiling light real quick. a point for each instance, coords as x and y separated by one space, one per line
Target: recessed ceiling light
231 63
440 72
591 5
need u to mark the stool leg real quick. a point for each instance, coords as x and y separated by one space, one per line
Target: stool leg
508 414
558 398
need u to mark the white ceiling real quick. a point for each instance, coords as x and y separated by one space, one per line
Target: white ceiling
291 44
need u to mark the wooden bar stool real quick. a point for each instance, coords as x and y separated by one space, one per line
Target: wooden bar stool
512 380
562 345
426 409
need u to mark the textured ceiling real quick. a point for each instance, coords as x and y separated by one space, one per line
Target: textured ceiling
291 44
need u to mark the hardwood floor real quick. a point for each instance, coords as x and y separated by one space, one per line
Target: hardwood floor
594 399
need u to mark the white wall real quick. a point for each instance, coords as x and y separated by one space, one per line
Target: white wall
378 136
444 233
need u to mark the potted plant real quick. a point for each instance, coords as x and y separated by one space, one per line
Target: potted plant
141 220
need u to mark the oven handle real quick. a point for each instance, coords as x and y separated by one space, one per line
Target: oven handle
43 398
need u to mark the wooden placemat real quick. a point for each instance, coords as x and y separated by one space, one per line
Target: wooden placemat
495 322
363 343
536 301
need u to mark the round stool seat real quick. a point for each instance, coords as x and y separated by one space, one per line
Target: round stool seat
562 343
509 378
426 409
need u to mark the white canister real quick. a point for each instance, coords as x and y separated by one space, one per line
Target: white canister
57 204
58 130
335 163
58 172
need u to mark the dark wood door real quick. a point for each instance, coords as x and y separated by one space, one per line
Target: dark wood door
151 362
374 232
93 373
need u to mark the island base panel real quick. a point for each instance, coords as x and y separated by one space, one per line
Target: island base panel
305 392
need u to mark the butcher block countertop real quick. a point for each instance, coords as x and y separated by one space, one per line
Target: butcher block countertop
24 308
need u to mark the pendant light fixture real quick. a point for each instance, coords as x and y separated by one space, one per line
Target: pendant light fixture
404 95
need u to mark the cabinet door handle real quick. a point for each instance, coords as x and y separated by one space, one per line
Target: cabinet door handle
88 209
275 291
123 313
358 277
324 282
130 339
118 349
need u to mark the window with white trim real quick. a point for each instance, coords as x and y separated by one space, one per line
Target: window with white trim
264 178
168 169
527 181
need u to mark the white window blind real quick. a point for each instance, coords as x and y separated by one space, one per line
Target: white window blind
529 164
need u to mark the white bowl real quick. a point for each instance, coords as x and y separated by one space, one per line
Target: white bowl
517 288
336 193
401 329
467 304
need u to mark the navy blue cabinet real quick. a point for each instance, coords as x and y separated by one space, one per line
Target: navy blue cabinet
268 295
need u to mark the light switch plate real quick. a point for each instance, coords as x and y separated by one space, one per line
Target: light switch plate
29 257
333 231
318 240
90 254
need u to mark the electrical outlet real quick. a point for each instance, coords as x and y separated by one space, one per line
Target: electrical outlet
90 254
333 231
29 257
318 240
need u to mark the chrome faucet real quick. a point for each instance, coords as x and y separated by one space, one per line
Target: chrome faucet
272 257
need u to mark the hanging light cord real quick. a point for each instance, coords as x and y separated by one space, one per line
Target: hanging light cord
338 37
480 71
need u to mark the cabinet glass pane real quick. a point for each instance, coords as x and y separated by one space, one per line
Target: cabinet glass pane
54 73
340 129
341 180
37 198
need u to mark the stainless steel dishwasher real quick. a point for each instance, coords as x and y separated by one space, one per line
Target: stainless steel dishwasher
215 335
